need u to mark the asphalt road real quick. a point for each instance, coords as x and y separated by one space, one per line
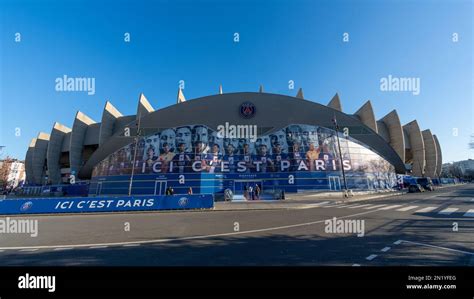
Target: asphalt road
409 229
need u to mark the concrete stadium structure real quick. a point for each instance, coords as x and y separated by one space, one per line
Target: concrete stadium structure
52 158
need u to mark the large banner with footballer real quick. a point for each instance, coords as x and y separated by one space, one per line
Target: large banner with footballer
197 148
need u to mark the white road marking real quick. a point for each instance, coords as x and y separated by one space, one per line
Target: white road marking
64 247
407 208
352 206
374 207
331 206
439 247
385 249
343 206
131 245
29 250
360 206
356 265
397 242
426 210
469 213
98 247
321 203
390 207
311 205
371 257
448 211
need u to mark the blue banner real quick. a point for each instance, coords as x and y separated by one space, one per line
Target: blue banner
105 204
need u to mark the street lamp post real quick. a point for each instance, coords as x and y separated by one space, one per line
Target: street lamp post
134 155
340 155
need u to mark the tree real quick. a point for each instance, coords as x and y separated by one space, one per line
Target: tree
4 171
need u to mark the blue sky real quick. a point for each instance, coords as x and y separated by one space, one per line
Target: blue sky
193 41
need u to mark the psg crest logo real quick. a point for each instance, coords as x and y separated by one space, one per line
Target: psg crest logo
247 110
26 206
183 201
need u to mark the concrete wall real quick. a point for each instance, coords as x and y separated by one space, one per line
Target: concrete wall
431 154
395 132
39 158
78 134
54 152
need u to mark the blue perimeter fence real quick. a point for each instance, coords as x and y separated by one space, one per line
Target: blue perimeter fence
54 205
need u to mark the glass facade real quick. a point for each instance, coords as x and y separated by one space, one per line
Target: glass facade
296 158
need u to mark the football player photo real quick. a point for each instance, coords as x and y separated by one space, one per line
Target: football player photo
168 136
262 140
153 142
184 135
214 159
231 157
293 135
280 138
263 156
278 156
182 160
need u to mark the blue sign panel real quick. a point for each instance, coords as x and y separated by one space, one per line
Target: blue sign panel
105 204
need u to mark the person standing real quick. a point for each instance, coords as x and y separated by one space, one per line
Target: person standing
257 192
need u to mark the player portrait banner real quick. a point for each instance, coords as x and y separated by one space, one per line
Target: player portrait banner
197 148
105 204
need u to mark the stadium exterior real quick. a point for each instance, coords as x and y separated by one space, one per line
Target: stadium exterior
296 148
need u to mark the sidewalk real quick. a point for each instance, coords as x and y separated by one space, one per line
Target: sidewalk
300 200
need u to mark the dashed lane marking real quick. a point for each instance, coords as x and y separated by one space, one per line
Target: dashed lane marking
360 206
371 257
374 207
407 208
437 247
469 213
385 249
448 211
426 210
390 207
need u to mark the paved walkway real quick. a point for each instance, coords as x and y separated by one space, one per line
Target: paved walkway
296 201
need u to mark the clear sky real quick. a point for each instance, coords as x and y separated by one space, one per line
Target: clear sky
194 41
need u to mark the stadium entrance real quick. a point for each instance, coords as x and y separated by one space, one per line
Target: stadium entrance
160 187
334 183
245 189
